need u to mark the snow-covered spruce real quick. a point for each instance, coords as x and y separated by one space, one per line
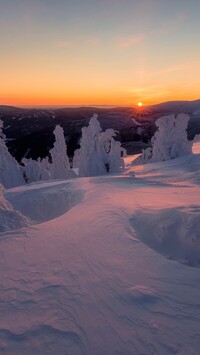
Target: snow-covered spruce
10 219
10 171
42 169
60 167
170 140
99 153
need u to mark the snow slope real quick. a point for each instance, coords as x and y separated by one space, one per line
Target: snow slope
97 275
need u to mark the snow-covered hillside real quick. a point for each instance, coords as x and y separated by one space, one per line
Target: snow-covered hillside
105 268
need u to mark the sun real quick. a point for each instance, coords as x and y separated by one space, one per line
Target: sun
140 104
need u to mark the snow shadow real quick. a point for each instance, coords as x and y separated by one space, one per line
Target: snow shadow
140 295
174 233
41 339
129 181
44 202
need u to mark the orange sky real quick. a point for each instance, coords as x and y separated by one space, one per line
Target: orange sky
99 52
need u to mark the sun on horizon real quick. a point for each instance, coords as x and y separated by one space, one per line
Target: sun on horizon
140 104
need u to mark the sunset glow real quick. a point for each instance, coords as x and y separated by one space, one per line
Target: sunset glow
98 52
140 104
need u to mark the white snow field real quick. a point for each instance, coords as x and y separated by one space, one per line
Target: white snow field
109 265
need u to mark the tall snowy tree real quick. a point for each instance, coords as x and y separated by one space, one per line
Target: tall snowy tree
99 152
10 171
60 167
90 155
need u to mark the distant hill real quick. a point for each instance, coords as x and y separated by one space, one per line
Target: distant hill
177 106
29 131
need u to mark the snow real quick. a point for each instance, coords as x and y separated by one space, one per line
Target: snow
105 268
99 152
136 122
169 141
60 167
10 219
10 171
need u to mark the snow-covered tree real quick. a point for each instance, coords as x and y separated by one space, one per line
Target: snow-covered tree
34 171
90 156
10 171
76 158
60 167
197 138
112 151
44 162
170 140
99 152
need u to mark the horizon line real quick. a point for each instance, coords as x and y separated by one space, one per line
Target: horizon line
92 105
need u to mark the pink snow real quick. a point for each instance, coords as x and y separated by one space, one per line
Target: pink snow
95 277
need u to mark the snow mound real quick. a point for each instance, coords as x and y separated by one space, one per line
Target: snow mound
10 219
44 201
173 232
32 339
140 295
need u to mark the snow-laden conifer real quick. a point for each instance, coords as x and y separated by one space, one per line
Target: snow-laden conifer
10 171
99 153
34 171
170 140
90 155
60 167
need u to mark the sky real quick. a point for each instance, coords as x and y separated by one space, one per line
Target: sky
105 52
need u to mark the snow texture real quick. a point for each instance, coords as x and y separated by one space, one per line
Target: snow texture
10 219
111 272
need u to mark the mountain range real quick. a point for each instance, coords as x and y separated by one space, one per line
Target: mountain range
29 131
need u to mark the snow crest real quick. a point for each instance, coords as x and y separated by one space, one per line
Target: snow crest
10 219
171 232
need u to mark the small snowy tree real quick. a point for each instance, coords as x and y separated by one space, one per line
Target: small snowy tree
60 167
10 171
44 162
112 151
76 158
34 171
116 162
197 138
170 140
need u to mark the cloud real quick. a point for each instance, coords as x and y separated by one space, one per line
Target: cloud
129 41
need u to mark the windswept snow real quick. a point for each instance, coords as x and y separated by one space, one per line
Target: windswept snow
10 219
46 201
98 277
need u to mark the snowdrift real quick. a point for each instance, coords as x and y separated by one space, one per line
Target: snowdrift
45 201
94 275
10 219
173 232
